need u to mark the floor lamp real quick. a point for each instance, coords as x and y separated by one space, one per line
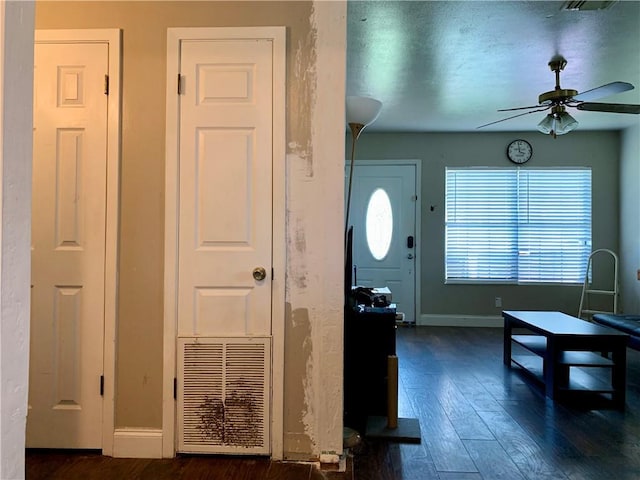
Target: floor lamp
361 111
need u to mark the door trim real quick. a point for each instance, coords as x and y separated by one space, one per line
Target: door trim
174 37
112 37
418 215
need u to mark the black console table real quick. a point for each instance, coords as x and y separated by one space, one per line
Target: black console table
369 338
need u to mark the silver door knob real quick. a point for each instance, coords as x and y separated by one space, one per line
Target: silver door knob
259 273
410 256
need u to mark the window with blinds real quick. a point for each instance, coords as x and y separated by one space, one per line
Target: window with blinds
517 225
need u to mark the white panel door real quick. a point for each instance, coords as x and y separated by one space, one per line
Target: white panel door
68 246
225 182
395 267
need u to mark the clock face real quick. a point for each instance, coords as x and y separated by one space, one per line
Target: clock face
519 151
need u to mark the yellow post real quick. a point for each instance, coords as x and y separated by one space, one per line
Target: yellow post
392 391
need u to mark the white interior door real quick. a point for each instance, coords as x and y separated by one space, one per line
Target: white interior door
68 246
383 213
225 240
225 188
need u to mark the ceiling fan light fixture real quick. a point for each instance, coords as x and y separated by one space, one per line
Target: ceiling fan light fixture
557 123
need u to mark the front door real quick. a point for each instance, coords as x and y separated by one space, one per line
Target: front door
68 246
383 213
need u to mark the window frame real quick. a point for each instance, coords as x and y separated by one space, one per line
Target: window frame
582 237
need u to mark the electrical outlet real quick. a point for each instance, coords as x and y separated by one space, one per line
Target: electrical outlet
498 301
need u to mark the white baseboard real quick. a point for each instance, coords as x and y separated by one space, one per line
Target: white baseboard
137 443
434 320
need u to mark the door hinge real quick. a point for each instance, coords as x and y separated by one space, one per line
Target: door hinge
175 388
106 84
101 385
179 84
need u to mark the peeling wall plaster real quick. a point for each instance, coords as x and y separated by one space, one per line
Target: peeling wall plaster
298 364
315 204
328 146
298 432
299 278
300 98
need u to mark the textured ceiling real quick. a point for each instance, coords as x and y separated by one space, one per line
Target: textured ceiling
449 65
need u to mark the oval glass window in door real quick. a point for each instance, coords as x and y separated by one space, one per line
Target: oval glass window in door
379 224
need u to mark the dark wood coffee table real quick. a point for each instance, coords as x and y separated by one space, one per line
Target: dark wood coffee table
559 342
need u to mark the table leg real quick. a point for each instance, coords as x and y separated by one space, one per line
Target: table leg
619 374
562 375
550 364
506 351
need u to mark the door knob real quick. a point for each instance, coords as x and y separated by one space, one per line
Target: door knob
259 273
410 256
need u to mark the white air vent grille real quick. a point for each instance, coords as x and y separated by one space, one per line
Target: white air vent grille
223 395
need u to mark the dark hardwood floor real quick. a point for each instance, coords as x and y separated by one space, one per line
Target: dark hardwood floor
56 465
479 421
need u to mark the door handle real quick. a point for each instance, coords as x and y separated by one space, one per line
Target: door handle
259 273
410 256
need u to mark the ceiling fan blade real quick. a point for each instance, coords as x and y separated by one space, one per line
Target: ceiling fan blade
518 108
514 116
604 91
609 107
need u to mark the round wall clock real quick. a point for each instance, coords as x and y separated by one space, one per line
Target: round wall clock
519 151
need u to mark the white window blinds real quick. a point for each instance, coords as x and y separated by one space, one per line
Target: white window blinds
517 225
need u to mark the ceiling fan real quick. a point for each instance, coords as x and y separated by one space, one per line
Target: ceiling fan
558 121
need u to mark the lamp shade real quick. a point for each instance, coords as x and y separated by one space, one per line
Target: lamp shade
557 123
565 124
362 110
548 124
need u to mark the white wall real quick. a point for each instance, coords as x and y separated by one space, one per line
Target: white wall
630 220
16 93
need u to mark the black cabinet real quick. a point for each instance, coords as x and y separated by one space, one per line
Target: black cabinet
369 338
